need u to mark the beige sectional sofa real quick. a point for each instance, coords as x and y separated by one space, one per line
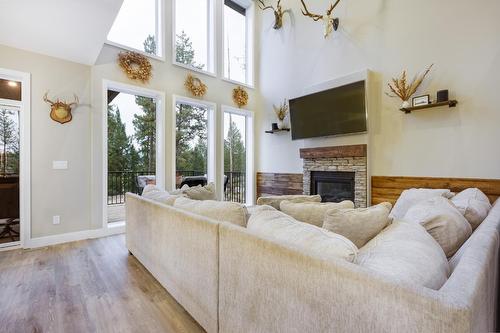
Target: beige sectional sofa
232 280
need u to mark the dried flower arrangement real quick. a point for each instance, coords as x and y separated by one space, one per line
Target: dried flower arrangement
404 90
240 96
136 66
195 86
281 111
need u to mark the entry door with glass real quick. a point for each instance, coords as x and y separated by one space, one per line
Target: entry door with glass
10 97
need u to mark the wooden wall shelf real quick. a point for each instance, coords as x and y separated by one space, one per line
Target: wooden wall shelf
450 104
278 131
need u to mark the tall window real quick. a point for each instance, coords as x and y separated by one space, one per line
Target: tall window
139 26
237 50
193 142
238 155
194 34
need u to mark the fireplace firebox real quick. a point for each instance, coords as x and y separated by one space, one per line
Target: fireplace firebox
333 186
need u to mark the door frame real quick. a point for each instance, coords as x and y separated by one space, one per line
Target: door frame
25 155
160 137
211 132
249 143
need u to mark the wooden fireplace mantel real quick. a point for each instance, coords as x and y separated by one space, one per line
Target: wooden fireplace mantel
334 152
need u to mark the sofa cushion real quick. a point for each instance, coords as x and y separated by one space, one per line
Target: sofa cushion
153 192
231 212
275 201
285 229
443 221
199 192
413 196
407 253
473 204
359 225
311 212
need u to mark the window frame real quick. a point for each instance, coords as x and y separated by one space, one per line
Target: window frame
159 31
250 146
211 137
211 41
249 46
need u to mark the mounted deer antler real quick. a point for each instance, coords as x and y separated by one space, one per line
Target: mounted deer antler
61 111
278 13
331 23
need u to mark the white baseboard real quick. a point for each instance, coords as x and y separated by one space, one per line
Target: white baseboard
118 228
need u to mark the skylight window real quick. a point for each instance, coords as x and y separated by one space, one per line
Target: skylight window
138 27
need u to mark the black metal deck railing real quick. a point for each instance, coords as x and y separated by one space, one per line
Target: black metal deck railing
121 182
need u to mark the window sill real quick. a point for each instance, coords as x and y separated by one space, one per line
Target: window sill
193 69
246 85
131 49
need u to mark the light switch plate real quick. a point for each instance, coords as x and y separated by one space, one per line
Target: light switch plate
59 165
56 219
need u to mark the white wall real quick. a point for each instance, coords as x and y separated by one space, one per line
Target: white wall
460 37
56 192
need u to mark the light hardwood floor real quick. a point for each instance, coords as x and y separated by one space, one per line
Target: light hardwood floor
87 286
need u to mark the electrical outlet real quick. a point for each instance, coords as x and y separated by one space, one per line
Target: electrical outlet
56 220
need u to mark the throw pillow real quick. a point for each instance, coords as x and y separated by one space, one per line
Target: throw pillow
199 192
311 212
231 212
152 192
285 229
359 225
276 200
413 196
473 204
406 252
443 221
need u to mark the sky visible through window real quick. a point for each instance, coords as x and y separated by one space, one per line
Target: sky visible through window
191 16
134 23
234 45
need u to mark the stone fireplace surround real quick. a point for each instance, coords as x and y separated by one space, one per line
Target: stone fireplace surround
339 158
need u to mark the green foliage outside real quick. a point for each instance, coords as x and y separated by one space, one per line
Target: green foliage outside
9 143
234 150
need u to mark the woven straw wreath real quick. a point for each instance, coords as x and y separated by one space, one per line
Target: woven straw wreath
240 97
135 65
195 86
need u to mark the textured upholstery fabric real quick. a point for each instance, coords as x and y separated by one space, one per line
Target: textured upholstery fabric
359 225
407 253
311 212
266 286
181 250
201 192
231 212
277 225
154 193
473 204
443 221
413 196
275 201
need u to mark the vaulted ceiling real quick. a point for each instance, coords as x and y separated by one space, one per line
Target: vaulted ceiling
73 30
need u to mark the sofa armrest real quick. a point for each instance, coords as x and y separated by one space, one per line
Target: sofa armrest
265 286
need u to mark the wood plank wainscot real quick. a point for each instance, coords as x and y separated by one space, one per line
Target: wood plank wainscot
279 184
388 189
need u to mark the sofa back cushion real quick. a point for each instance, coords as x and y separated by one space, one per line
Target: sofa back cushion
275 201
231 212
473 204
413 196
199 192
407 253
152 192
311 212
285 229
443 221
359 225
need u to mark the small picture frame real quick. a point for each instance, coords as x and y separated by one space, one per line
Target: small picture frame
421 100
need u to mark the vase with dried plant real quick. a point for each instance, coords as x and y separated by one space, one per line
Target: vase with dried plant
281 113
400 87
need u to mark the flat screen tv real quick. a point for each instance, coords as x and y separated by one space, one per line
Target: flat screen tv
337 111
